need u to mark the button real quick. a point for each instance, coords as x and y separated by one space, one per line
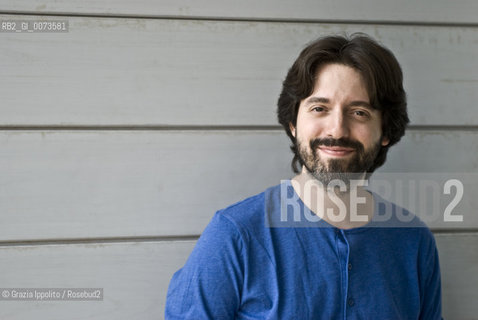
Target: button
351 302
349 266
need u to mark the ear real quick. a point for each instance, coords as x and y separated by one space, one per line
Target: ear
292 129
385 141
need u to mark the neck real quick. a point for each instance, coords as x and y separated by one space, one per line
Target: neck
344 207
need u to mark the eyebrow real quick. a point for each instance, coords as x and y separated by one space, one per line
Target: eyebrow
355 103
317 99
360 103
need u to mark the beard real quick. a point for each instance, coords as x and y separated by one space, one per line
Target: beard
326 170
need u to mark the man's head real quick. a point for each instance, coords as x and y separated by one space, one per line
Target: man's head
343 105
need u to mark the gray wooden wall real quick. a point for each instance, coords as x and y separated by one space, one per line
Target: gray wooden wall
121 138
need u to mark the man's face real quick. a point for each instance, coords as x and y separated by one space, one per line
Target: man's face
337 132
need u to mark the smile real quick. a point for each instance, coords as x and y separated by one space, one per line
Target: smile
337 151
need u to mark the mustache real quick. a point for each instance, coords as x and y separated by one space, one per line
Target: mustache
341 142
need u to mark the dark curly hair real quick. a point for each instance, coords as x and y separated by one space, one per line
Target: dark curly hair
377 65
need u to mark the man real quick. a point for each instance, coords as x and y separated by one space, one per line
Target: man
314 247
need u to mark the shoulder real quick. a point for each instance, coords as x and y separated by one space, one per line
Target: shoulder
402 225
250 213
391 215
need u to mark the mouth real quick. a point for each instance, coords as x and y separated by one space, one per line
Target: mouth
336 151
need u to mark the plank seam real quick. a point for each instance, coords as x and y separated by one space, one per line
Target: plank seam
179 238
443 127
240 19
138 127
42 242
450 231
200 127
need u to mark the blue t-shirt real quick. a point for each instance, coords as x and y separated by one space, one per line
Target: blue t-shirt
247 264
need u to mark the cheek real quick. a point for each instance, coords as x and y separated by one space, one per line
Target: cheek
368 136
307 131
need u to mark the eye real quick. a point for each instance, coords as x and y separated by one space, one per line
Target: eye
361 114
318 109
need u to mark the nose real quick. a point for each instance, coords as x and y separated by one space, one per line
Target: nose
337 126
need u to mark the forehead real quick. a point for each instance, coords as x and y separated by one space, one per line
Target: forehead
339 81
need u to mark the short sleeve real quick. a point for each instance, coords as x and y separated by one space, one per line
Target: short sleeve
209 284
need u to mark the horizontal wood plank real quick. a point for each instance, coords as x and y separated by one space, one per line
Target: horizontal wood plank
135 277
461 11
79 184
459 267
119 71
